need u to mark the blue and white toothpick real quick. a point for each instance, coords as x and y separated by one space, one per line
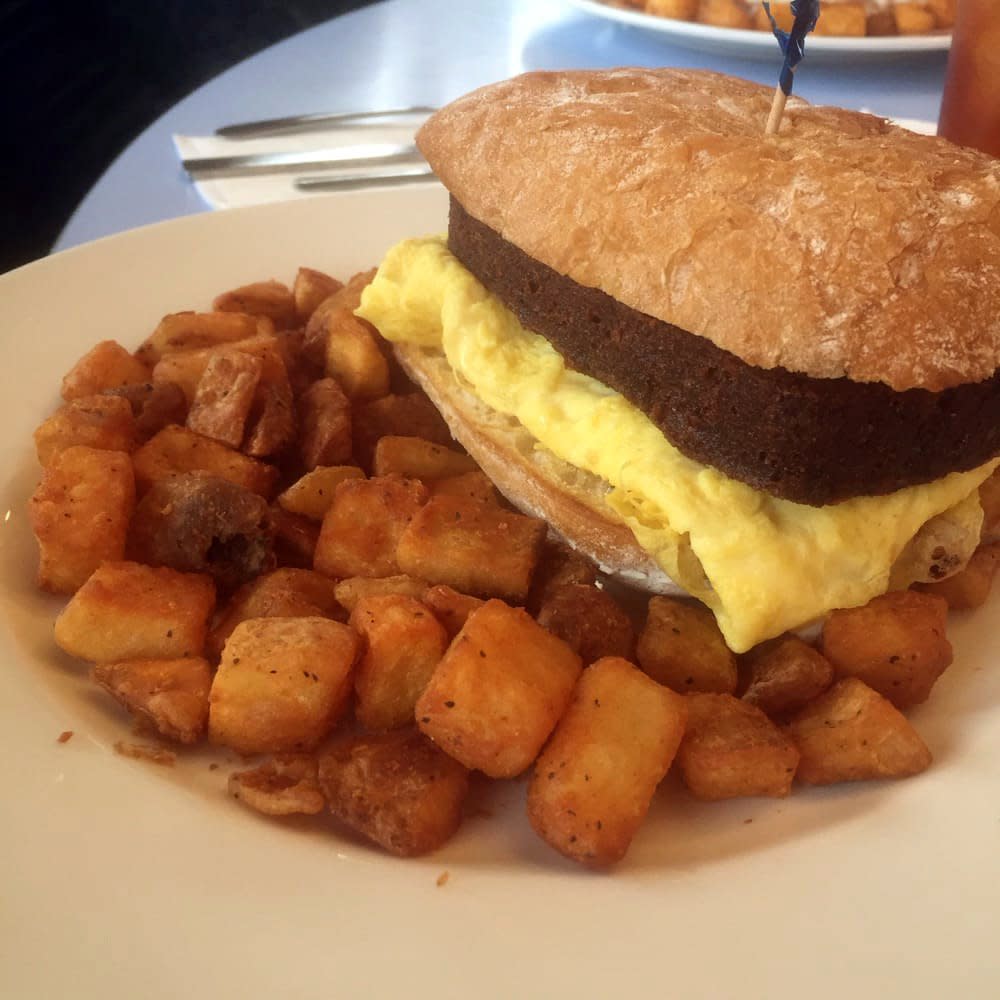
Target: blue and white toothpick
793 45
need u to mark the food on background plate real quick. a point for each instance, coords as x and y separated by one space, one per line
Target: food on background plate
853 18
389 624
653 328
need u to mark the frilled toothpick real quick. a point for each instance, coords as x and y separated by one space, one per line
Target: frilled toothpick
793 45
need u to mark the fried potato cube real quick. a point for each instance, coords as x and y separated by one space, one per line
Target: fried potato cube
558 564
404 643
475 547
202 524
679 10
177 450
271 424
325 425
852 733
309 289
224 396
191 331
397 789
350 294
283 593
282 685
451 608
354 358
272 299
105 366
589 620
362 528
310 585
287 785
155 405
312 494
80 514
347 298
594 781
104 422
913 18
410 414
185 368
499 691
843 19
474 485
782 12
291 344
989 498
680 645
295 538
969 587
169 696
785 674
356 588
896 644
128 611
724 14
732 749
416 458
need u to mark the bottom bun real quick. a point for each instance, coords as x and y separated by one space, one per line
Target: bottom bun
533 479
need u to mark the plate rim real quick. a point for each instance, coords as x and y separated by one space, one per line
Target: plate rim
561 918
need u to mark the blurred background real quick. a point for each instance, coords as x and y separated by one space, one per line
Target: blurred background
79 81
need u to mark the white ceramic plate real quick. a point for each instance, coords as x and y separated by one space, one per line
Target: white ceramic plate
761 44
121 879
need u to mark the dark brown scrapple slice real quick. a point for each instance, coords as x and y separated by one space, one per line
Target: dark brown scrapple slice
814 441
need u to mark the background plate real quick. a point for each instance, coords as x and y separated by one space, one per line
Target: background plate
122 879
761 44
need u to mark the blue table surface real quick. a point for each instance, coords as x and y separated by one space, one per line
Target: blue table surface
402 52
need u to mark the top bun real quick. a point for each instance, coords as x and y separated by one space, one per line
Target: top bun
843 246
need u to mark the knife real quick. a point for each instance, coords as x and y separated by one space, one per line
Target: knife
403 174
265 163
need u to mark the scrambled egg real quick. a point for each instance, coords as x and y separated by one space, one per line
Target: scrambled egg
764 565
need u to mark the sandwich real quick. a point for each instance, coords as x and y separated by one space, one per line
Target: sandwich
758 370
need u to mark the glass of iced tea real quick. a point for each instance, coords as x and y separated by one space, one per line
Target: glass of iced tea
970 110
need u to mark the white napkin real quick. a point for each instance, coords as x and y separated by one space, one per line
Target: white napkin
230 192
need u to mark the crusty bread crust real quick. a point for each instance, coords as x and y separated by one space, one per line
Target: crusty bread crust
843 246
532 478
